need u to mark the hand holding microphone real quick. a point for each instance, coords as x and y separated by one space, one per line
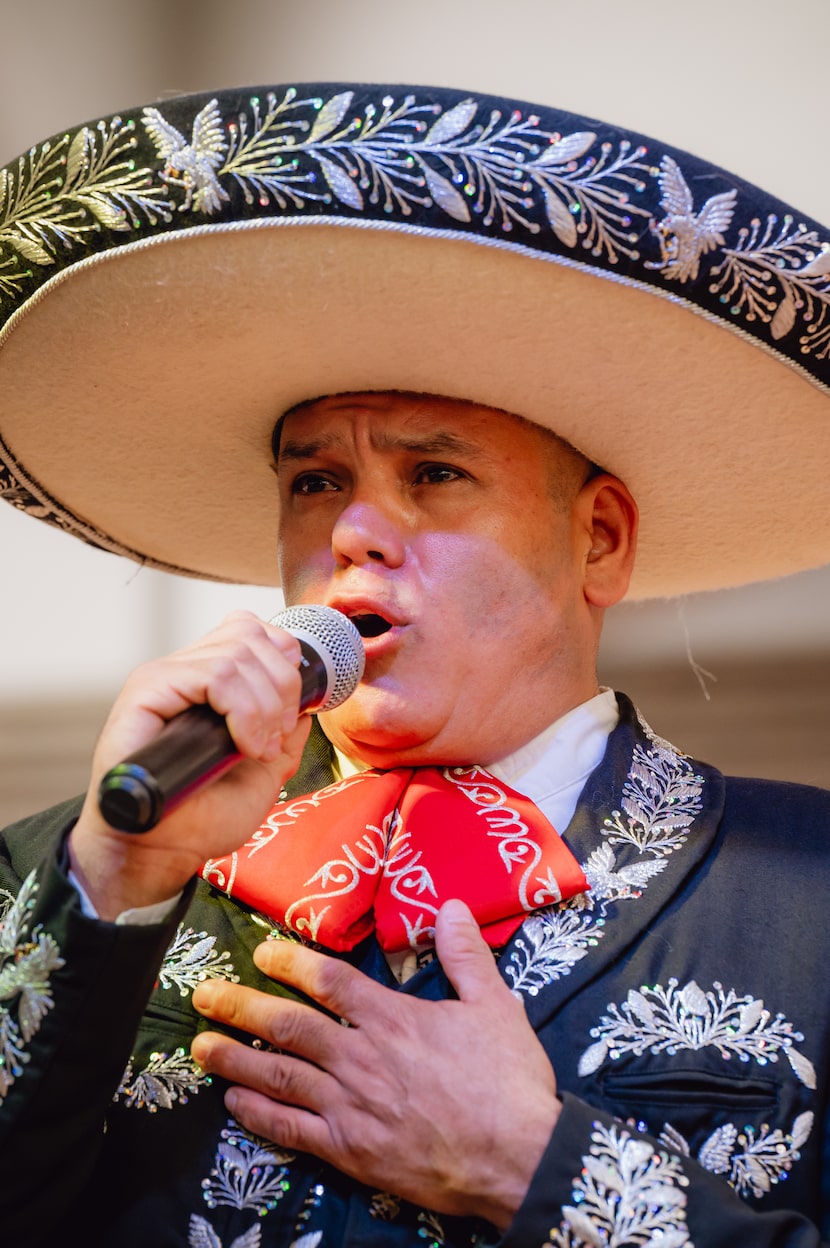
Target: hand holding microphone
196 747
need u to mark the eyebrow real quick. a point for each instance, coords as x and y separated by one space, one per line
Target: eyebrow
433 444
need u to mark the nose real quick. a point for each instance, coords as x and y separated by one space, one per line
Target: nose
365 533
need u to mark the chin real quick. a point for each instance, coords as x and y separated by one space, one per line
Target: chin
382 747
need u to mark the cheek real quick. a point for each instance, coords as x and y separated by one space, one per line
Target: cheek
304 570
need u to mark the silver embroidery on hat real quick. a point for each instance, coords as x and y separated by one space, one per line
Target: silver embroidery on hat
193 163
503 170
685 235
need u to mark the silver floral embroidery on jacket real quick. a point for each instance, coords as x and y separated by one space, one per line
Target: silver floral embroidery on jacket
202 1235
27 960
627 1193
550 945
678 1019
752 1162
661 798
191 958
248 1172
168 1079
674 1019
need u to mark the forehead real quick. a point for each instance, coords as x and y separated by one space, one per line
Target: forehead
397 421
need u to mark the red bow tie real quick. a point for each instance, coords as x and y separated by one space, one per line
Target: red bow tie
384 849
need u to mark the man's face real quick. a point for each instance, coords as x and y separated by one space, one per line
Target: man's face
450 534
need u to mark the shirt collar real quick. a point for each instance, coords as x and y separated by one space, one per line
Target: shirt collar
552 768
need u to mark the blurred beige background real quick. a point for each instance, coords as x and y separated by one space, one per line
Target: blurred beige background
743 82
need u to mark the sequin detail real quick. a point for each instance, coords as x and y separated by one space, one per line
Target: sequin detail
192 958
751 1161
168 1079
202 1235
467 161
248 1172
660 800
674 1019
27 960
430 1229
627 1193
384 1206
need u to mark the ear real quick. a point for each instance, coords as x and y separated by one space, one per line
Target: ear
610 518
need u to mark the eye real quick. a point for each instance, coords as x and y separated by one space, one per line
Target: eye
312 483
437 474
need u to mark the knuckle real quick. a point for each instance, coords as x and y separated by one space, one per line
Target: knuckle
287 1029
332 980
286 1081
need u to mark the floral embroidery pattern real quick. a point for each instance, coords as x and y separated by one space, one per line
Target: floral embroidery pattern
384 1206
430 1229
202 1235
248 1172
662 796
297 152
66 191
550 945
166 1080
626 1194
673 1019
752 1163
27 960
775 272
191 958
466 161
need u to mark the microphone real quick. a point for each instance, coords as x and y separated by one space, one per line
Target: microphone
195 746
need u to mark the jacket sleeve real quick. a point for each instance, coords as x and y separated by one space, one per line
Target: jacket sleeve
72 993
601 1182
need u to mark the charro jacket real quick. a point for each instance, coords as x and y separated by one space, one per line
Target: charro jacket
684 1003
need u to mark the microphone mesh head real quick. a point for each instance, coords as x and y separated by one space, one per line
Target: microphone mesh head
335 639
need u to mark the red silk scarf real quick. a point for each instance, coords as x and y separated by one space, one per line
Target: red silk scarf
384 849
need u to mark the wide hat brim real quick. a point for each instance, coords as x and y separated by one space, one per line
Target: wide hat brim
175 278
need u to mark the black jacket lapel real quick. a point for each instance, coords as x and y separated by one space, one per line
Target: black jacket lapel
645 822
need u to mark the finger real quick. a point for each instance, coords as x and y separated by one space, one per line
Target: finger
335 985
286 1024
245 669
291 1127
283 1078
251 676
464 954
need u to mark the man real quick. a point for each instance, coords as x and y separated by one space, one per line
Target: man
638 1062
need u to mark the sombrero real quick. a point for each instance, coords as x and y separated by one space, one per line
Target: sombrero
173 278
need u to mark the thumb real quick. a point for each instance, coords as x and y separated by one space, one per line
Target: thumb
463 952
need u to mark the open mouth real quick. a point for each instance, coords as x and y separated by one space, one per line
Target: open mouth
371 625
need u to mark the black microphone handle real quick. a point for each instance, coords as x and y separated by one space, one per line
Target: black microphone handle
192 749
